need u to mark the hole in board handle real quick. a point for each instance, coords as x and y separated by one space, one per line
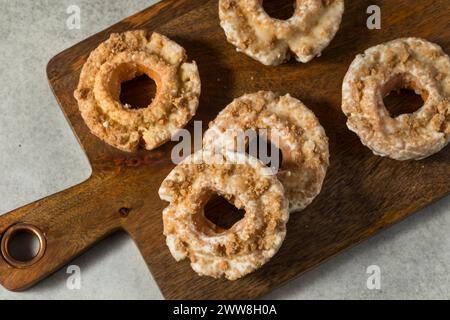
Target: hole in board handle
17 245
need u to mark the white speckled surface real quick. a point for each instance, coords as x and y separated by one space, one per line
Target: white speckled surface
40 156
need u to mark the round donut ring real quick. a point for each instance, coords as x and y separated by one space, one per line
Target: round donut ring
294 129
270 41
126 56
245 182
404 63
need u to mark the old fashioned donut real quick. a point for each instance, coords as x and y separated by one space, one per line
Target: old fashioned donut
121 58
247 184
271 41
292 127
404 63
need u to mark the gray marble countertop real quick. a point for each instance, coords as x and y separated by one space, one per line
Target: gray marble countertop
40 156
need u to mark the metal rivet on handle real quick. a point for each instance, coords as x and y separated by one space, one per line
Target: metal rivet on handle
9 235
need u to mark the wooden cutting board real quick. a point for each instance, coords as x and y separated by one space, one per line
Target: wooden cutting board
363 194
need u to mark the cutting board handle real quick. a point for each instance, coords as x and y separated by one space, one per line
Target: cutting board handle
66 224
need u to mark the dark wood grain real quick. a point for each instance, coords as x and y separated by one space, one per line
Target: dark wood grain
363 194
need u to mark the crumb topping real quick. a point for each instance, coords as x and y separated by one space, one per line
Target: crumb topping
121 58
411 63
294 129
247 245
272 41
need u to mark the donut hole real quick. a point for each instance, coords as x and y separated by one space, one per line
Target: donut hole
279 9
402 95
264 150
403 101
221 215
138 93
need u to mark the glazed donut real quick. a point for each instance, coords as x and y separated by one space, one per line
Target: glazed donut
294 129
126 56
404 63
245 182
270 41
